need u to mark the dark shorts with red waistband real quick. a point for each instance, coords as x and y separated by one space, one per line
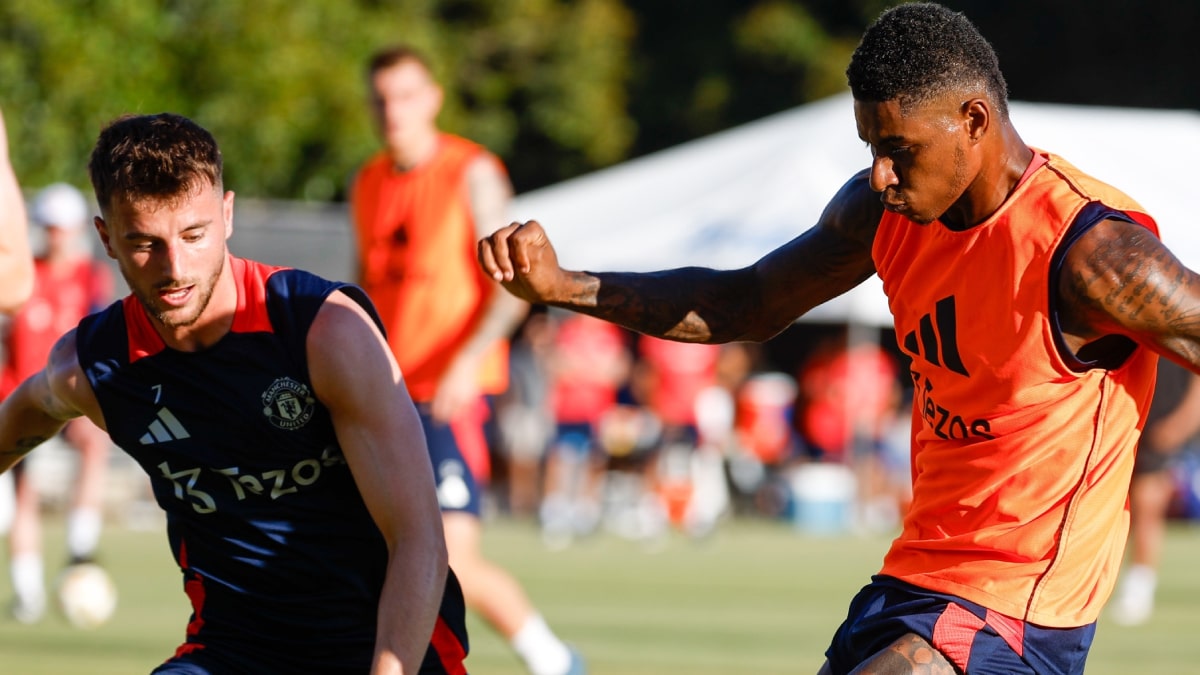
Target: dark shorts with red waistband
973 638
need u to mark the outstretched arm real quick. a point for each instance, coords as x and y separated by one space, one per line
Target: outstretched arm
694 304
42 404
356 377
16 261
1121 279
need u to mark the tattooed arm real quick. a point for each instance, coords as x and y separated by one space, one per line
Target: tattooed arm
694 304
40 407
1121 279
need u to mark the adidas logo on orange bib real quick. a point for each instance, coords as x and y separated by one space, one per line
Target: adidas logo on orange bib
939 352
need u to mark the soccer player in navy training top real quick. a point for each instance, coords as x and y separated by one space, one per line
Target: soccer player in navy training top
274 424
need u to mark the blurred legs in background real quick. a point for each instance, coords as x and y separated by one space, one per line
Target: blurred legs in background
1150 496
27 567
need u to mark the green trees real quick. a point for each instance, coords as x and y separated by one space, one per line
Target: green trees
281 83
556 87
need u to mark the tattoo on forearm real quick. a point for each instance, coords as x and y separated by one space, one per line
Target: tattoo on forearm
687 304
23 446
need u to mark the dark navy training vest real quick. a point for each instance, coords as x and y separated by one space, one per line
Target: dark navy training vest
281 560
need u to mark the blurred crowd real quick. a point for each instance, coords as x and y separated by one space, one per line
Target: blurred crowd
605 429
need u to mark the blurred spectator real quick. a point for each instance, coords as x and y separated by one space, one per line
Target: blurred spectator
590 362
524 420
765 406
718 456
629 435
846 411
675 374
847 399
69 284
766 439
1172 425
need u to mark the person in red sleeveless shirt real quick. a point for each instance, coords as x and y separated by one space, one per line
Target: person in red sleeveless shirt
676 377
69 284
1033 302
589 362
418 205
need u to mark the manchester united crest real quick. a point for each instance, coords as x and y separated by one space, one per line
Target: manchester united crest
288 404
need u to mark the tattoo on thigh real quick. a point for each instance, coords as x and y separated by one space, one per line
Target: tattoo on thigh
909 654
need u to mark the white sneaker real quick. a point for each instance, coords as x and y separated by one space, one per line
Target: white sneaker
28 610
1134 602
1132 612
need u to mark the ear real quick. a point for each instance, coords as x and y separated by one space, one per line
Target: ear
227 213
977 116
102 230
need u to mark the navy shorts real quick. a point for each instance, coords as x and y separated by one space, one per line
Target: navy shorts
457 488
973 638
574 439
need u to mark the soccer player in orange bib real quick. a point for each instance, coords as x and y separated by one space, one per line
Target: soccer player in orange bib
1034 302
418 206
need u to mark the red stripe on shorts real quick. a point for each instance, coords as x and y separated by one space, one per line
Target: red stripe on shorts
1012 630
448 648
467 428
954 633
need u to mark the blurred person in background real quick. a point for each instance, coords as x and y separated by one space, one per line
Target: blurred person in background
418 205
675 374
588 365
69 284
766 442
524 420
719 437
847 404
746 418
16 261
1033 300
1171 428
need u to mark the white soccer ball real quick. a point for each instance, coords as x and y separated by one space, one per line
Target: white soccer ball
87 595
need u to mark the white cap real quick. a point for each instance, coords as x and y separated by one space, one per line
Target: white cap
60 205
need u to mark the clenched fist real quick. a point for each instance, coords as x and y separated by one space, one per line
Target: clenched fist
522 259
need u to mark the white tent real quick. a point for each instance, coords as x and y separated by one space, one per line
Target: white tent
725 200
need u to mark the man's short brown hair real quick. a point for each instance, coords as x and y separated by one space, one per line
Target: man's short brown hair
390 56
153 157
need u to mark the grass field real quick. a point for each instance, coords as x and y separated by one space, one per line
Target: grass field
756 598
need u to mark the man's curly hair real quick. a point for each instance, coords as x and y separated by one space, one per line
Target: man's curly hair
916 52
